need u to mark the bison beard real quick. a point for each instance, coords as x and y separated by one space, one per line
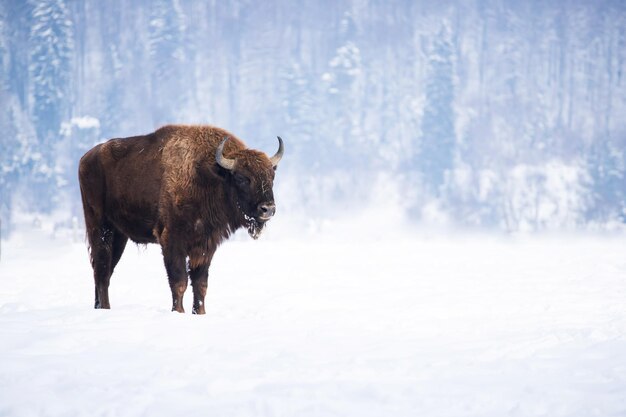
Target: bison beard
254 227
182 187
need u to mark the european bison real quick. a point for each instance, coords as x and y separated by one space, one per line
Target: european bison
186 188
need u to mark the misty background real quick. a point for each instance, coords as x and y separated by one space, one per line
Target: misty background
486 114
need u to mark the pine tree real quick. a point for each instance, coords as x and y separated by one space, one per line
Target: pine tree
4 48
17 135
168 58
16 158
115 63
50 61
607 163
78 136
298 105
6 146
343 86
438 136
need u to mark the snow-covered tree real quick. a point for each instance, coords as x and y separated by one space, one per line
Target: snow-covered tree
78 135
353 87
436 153
52 46
16 156
4 48
50 62
298 107
342 83
169 59
9 148
607 166
17 137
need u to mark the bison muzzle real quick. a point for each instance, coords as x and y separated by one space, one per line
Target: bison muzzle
187 188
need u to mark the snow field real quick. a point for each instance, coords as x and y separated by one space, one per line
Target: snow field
324 326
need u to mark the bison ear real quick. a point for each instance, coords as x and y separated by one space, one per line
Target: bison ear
205 173
222 172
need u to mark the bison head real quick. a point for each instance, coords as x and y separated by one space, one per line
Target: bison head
252 175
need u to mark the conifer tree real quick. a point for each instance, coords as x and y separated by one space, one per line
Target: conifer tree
436 155
50 62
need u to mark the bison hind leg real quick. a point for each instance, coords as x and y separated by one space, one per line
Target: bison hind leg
107 246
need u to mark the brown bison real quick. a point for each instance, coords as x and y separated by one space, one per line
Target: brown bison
185 187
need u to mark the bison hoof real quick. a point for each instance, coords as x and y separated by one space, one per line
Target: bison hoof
198 310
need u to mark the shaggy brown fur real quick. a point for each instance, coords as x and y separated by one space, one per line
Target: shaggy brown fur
166 187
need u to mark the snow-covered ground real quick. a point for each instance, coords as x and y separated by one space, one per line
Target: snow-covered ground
322 325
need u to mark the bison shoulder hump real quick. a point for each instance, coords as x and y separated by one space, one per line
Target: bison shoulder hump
117 149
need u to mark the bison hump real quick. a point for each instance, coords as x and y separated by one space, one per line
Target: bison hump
118 149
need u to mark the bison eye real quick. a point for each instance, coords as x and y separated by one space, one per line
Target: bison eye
242 180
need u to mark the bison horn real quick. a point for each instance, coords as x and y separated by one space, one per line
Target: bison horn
281 149
225 163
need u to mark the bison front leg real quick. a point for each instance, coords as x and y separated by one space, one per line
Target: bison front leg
199 262
177 276
199 282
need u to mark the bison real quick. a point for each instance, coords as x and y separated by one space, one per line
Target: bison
186 188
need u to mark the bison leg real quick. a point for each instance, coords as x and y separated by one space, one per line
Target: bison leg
119 244
199 263
177 277
101 262
199 282
101 245
107 246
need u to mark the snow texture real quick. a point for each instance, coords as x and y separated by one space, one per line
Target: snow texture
330 325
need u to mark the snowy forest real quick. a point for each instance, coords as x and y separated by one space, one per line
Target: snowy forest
493 114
